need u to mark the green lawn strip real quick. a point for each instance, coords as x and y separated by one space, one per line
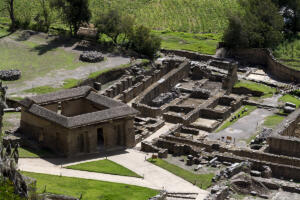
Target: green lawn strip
31 153
98 73
90 189
267 90
41 90
228 123
273 120
202 180
202 43
291 99
104 166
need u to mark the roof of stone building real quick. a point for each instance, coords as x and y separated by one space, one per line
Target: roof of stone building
103 100
116 110
73 93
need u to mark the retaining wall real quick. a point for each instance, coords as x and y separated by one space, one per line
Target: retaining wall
265 57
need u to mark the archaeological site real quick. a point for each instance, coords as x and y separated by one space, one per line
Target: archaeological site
149 100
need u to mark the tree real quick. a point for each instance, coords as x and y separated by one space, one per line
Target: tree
143 42
9 5
290 10
257 27
45 22
73 12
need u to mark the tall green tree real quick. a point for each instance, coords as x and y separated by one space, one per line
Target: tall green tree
10 7
73 12
259 25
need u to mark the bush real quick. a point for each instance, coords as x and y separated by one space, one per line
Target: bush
256 27
143 42
114 25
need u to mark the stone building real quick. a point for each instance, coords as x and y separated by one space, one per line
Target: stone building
77 121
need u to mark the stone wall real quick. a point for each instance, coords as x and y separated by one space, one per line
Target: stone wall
265 57
163 85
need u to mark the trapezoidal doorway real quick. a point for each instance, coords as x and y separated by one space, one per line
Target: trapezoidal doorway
100 139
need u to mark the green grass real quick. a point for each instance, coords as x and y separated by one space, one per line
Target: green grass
267 90
98 73
41 90
291 99
35 60
289 53
202 43
180 15
228 123
202 180
273 120
104 166
31 153
90 189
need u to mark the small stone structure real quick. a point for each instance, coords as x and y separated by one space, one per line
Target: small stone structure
10 75
91 56
77 121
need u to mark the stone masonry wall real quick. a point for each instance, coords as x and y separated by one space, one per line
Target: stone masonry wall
265 57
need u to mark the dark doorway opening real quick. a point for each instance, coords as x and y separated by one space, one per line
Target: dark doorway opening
100 137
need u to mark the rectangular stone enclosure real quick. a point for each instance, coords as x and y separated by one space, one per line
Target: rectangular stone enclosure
77 121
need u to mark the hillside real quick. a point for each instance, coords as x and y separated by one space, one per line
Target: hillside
176 15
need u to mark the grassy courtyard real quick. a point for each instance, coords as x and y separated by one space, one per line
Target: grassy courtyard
291 99
104 166
228 123
273 120
267 90
201 180
90 189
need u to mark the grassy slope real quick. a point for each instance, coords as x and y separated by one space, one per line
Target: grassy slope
291 99
34 60
228 123
90 189
289 53
204 43
104 166
202 180
268 91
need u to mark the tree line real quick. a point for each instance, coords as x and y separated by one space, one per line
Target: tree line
119 27
262 23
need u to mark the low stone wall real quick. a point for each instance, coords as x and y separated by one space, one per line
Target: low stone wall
265 57
190 55
243 90
163 85
283 145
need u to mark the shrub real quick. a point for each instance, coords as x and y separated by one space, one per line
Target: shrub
143 42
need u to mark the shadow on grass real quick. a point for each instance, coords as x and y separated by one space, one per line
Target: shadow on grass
10 33
26 152
54 44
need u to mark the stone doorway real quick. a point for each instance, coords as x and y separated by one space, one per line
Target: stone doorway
100 138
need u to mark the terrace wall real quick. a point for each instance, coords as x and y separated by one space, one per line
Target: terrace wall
265 57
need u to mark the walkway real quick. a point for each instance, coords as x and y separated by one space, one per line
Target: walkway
154 177
244 128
